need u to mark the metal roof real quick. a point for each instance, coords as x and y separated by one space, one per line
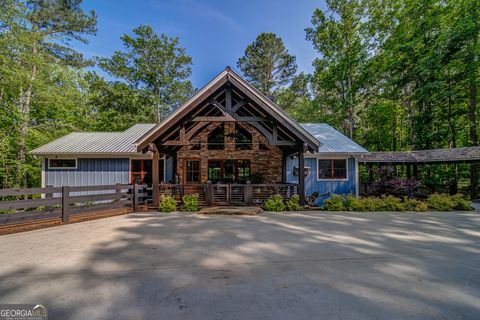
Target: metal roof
331 140
465 154
96 142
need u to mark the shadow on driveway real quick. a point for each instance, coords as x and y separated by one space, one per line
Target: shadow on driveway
272 266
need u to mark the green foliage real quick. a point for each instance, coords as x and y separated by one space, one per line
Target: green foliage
435 202
293 204
414 205
190 202
352 203
274 203
461 203
156 66
440 202
267 64
444 202
334 203
168 204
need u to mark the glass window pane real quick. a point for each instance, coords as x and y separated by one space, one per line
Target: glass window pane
340 169
192 173
63 163
324 169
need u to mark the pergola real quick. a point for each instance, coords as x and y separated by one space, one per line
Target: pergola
412 159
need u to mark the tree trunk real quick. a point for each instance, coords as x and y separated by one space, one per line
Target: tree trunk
24 121
472 117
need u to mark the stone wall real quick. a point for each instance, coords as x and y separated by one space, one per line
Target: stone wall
265 160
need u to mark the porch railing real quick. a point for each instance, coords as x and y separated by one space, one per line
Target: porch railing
230 194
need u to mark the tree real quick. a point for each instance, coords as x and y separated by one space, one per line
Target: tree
267 64
156 65
339 39
37 34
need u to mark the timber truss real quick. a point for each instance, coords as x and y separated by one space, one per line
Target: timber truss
228 98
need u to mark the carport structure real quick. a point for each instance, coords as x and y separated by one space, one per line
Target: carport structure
414 159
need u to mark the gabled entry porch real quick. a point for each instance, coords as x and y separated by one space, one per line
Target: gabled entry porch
229 141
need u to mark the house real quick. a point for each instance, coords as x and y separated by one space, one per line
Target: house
227 133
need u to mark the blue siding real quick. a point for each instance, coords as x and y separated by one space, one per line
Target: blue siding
94 171
323 186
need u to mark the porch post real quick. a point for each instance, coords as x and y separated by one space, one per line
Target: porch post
155 178
301 176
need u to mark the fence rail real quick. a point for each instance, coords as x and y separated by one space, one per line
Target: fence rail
230 194
29 204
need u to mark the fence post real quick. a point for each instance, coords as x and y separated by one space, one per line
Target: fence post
248 193
48 196
209 193
65 204
135 197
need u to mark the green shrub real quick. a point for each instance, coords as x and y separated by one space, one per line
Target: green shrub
168 204
190 202
352 203
440 202
334 203
293 204
274 203
461 203
390 203
414 205
371 204
7 211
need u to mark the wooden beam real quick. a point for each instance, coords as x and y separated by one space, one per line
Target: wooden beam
301 176
274 133
218 105
226 118
269 136
175 143
182 133
238 105
189 135
152 147
250 119
283 143
155 179
228 98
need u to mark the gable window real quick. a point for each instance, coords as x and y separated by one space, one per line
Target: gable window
332 168
216 139
62 164
192 172
243 139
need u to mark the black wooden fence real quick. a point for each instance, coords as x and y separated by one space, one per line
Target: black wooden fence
30 204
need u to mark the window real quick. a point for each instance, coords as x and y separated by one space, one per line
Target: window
228 171
243 139
216 139
62 164
332 169
192 172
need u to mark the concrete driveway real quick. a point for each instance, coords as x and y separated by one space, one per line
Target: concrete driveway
273 266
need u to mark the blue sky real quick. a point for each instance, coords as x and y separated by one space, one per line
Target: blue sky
215 33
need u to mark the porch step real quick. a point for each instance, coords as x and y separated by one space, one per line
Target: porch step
242 211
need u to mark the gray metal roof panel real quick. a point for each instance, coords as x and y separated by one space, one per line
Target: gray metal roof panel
96 142
332 141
